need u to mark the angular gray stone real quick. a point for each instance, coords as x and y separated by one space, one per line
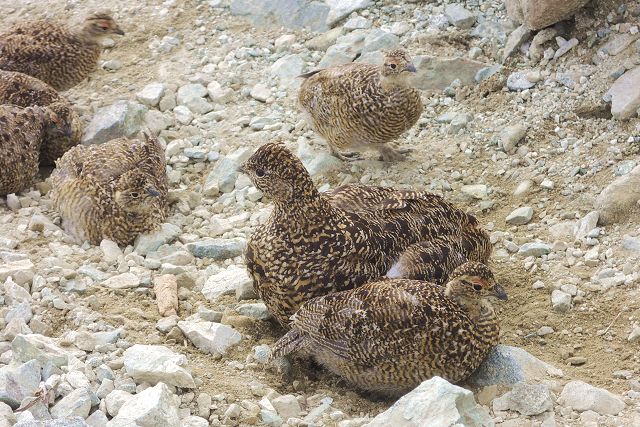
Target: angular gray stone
19 382
288 67
150 242
511 136
535 249
38 347
225 172
584 226
153 407
377 39
114 401
340 9
520 216
537 14
345 49
560 301
625 98
515 40
289 13
255 310
192 96
156 363
510 365
97 419
122 119
619 200
584 397
530 399
435 402
437 73
75 404
151 94
458 16
217 249
226 282
210 337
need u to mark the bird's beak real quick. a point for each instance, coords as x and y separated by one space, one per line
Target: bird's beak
118 30
500 293
241 169
67 131
153 192
410 67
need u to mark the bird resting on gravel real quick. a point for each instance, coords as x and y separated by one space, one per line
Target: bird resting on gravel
315 244
25 91
53 53
389 336
22 131
362 105
116 190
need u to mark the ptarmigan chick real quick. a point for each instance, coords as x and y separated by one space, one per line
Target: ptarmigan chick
54 54
389 336
25 91
314 244
116 190
22 131
362 105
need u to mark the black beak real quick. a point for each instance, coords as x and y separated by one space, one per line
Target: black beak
500 293
410 67
117 30
153 192
241 169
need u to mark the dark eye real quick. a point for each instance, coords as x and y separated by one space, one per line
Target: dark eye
135 195
477 287
393 66
259 173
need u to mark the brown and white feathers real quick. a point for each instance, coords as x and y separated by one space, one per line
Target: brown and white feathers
25 91
389 336
315 244
362 105
53 53
116 190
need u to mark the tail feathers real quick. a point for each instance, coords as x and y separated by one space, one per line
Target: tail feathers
289 343
310 73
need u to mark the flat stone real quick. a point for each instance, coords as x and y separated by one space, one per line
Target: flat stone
458 16
217 249
122 281
515 40
340 9
210 337
535 249
560 301
18 382
122 119
110 250
226 282
156 363
60 422
618 43
619 200
287 13
377 39
625 98
146 243
520 216
97 419
153 407
194 421
75 404
115 400
260 92
435 402
183 114
151 94
287 406
581 397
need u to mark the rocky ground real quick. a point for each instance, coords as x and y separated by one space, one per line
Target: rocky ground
529 145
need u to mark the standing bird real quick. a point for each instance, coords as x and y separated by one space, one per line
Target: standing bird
22 131
312 245
362 105
54 54
25 91
389 336
114 190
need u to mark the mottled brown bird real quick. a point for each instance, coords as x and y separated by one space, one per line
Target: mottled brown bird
25 91
53 53
22 131
114 190
362 105
314 244
389 336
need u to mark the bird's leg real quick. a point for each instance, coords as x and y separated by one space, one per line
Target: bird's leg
392 154
345 157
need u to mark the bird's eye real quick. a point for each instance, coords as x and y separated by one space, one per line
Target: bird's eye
477 287
260 173
393 66
135 195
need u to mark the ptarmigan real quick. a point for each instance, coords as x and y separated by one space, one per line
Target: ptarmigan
389 336
312 246
22 131
116 190
54 54
362 105
25 91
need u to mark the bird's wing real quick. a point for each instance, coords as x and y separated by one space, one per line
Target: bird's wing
18 50
355 198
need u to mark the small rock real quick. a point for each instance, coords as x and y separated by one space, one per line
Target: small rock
476 191
153 407
260 92
257 311
114 401
585 225
217 249
584 397
183 114
77 403
19 382
156 363
122 281
226 282
151 94
616 202
288 67
110 250
561 301
122 119
146 243
530 399
535 249
287 406
520 216
511 136
625 99
517 81
340 9
210 337
458 16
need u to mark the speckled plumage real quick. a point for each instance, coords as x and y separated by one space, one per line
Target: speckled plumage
315 244
54 54
389 336
25 91
114 190
22 131
362 105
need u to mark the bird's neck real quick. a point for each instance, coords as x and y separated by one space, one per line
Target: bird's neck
305 210
484 317
389 83
86 35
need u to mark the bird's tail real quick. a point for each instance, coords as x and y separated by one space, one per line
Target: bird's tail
309 74
289 343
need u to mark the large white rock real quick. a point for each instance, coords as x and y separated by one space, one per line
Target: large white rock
435 402
153 407
225 282
211 337
342 8
585 397
21 271
625 96
619 200
537 14
156 363
77 403
123 118
122 281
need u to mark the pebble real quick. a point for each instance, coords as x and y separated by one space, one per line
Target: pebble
511 136
520 216
517 81
260 92
561 301
210 337
535 249
156 363
584 397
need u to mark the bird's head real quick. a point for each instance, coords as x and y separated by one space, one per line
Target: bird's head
136 192
397 63
278 173
63 120
473 281
101 24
